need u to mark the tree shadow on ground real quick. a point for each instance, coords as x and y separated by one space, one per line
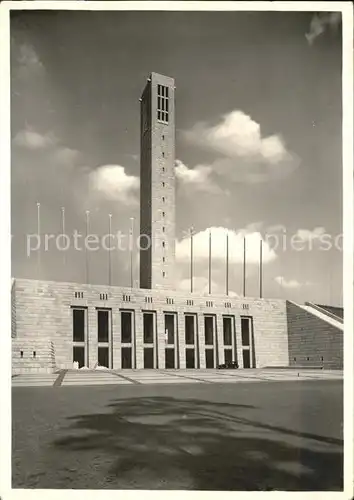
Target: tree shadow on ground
168 443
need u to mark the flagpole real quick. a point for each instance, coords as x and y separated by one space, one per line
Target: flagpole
86 249
227 263
131 252
244 266
109 252
40 243
260 270
209 262
63 231
191 232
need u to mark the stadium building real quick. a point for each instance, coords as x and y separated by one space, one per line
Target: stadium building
58 325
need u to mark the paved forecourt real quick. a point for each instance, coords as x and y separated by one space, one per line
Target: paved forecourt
66 378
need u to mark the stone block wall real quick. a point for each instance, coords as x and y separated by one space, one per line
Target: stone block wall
31 355
13 309
44 313
312 341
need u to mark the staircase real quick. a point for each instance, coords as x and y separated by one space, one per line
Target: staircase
323 314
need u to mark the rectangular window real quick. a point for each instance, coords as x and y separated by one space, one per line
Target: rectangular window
209 358
126 357
245 330
148 328
79 325
228 355
79 355
227 324
190 361
148 357
103 356
162 103
169 358
102 325
209 330
189 328
170 328
126 325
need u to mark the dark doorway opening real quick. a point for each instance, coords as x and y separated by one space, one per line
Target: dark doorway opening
190 361
79 355
209 358
126 327
148 328
228 355
126 357
79 325
103 356
170 358
246 358
148 357
102 325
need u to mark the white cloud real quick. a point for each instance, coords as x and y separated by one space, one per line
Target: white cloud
28 55
218 251
276 228
237 135
114 183
198 177
247 156
320 22
28 63
31 139
290 283
308 235
66 155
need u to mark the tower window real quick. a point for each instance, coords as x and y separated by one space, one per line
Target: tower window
163 229
162 103
163 199
163 244
163 169
163 184
163 259
163 214
163 137
163 154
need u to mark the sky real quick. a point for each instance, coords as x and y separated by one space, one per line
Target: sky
258 143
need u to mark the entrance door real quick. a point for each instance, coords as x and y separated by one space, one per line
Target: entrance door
104 337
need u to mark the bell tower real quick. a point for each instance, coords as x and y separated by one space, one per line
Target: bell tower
157 183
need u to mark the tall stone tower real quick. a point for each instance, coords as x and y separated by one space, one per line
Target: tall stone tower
157 183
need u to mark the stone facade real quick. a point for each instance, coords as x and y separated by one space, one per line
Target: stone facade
45 314
312 341
157 183
131 328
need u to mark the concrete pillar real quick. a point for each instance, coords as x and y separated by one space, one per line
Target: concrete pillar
181 341
92 337
238 341
139 349
220 340
160 336
116 339
201 340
